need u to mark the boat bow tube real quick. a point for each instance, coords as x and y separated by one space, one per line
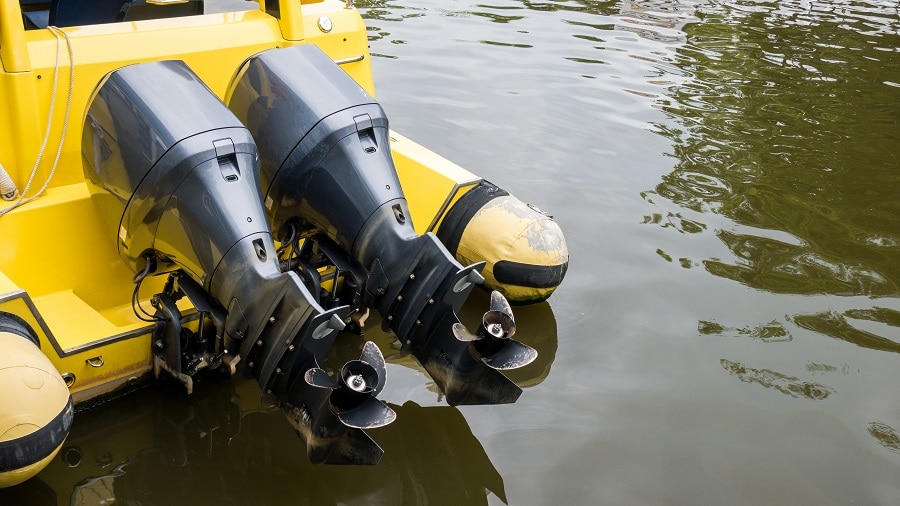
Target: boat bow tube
328 176
175 175
524 250
35 405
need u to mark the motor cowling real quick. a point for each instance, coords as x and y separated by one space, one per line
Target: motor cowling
325 161
173 170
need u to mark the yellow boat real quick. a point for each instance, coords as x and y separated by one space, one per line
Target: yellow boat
189 187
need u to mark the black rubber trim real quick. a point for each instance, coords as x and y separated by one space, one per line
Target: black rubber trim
15 325
29 449
535 276
459 216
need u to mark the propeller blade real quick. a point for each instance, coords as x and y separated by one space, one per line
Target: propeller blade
500 304
512 355
319 378
462 333
370 414
372 356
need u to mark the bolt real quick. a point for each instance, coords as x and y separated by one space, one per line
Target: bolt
390 318
412 276
271 319
399 298
259 342
431 301
291 348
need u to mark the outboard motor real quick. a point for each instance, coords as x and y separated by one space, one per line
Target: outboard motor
328 177
175 175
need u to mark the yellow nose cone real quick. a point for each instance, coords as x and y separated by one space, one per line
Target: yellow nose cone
523 248
35 409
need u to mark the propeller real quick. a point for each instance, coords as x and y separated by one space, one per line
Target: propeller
353 399
491 343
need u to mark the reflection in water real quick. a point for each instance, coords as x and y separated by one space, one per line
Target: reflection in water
207 449
786 142
836 325
784 126
885 435
217 446
771 332
788 385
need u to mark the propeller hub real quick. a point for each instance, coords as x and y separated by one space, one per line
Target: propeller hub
359 377
498 324
495 329
356 382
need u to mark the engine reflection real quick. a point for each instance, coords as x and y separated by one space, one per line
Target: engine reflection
160 448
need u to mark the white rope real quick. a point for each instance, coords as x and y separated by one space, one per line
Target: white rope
60 35
8 190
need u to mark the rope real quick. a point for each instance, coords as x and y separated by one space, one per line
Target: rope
60 35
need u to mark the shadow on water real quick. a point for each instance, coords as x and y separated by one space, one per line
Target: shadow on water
226 445
161 448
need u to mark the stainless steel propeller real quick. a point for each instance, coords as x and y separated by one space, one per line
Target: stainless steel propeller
353 398
492 343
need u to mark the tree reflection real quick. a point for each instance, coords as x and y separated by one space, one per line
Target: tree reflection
790 123
838 326
788 385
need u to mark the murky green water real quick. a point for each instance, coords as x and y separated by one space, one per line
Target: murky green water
728 177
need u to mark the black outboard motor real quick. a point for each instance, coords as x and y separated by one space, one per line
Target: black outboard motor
327 175
175 174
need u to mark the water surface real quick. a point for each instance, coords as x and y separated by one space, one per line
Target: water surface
727 176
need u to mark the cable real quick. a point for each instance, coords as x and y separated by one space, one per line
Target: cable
60 35
137 279
290 242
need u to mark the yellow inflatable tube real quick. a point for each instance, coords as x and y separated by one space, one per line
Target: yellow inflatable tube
525 253
35 406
